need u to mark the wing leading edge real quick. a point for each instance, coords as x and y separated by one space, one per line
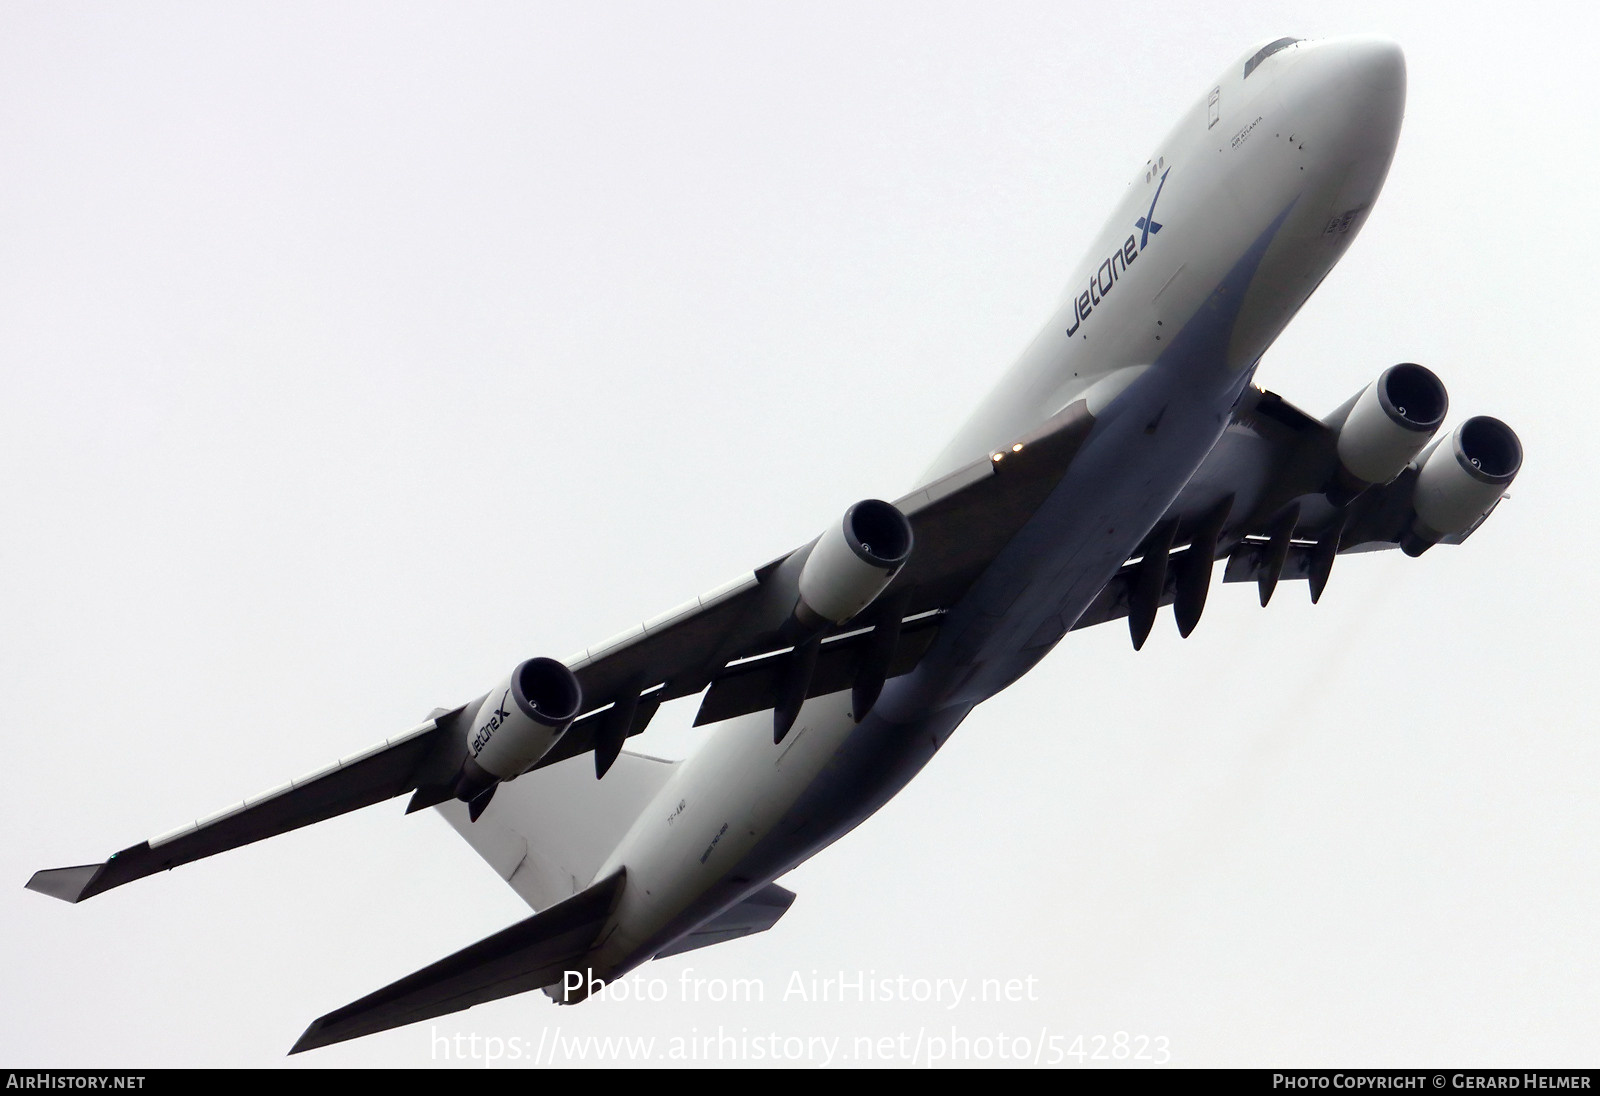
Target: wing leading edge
729 643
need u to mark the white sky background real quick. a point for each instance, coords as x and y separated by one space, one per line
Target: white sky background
348 357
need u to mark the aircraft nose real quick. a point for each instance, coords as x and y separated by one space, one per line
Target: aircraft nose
1377 88
1357 87
1378 65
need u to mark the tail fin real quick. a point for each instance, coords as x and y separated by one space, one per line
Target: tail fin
548 831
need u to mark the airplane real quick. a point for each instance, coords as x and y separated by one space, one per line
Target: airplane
1124 455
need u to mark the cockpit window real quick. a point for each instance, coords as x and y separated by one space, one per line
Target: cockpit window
1266 51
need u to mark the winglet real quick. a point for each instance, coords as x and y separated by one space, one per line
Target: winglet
67 884
87 880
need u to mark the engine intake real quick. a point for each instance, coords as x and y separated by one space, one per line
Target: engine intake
1461 480
1385 428
517 724
852 563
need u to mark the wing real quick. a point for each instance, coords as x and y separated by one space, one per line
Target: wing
1272 499
732 639
734 643
390 768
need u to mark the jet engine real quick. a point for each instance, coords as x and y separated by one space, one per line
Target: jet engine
1462 479
1385 428
517 724
852 563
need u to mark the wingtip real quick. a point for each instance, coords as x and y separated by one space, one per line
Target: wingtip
309 1038
67 884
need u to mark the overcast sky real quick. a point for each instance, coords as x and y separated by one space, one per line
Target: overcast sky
350 355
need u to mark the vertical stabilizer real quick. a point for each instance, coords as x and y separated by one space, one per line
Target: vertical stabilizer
548 831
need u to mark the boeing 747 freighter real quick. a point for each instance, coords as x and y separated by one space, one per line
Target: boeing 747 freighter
1114 465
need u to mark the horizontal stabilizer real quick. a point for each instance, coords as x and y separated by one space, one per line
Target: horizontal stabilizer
758 913
389 769
529 955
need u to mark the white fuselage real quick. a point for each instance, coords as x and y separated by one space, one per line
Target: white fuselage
1223 234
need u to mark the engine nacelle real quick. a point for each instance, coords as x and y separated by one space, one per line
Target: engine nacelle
1386 427
1461 480
517 724
852 563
